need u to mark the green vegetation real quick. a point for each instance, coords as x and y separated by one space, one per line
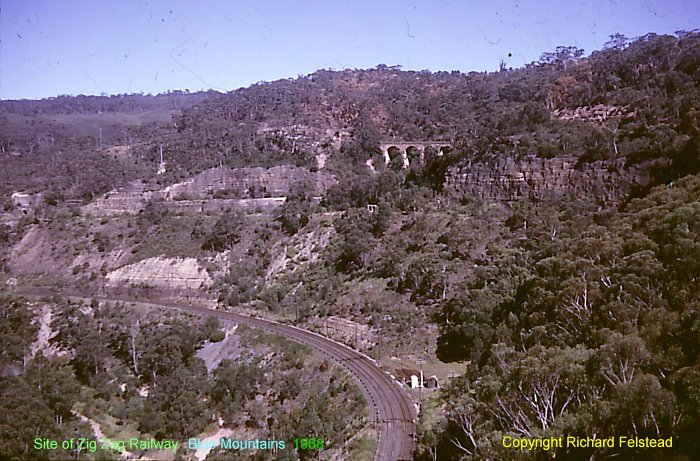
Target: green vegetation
36 394
570 308
225 233
362 448
295 212
273 388
646 88
580 333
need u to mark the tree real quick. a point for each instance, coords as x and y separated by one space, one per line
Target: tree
562 57
57 384
17 330
175 407
225 233
23 415
621 358
351 249
295 212
617 42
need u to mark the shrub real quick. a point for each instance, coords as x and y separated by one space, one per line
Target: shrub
217 336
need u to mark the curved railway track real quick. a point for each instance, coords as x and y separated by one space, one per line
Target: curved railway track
394 412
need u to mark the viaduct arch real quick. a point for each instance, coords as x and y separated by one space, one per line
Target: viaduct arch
411 151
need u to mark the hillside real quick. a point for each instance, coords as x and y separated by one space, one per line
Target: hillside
78 147
530 237
633 100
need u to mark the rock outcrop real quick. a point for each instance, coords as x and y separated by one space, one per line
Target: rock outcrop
174 275
125 200
248 189
599 113
509 179
346 331
248 182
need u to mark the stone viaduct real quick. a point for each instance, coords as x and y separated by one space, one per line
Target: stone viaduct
410 151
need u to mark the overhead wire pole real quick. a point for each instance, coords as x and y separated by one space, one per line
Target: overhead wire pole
379 352
394 410
161 165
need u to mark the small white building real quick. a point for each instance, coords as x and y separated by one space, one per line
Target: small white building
412 378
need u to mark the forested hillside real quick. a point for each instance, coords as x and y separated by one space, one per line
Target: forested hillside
637 99
566 310
76 147
646 92
594 330
111 371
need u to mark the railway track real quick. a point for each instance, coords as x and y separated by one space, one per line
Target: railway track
394 411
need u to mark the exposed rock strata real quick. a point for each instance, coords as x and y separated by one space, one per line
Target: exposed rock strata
248 189
161 273
249 182
532 177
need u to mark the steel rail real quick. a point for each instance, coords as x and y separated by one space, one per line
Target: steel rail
394 411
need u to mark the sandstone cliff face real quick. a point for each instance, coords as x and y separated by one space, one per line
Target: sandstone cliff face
125 200
249 182
598 113
251 205
67 255
161 273
532 177
248 189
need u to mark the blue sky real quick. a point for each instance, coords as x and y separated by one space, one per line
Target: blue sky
52 47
